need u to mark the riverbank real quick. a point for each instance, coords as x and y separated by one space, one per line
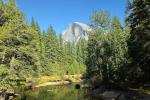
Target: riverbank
116 92
119 95
58 80
31 83
103 92
52 83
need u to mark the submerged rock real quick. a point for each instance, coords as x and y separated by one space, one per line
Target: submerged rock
110 95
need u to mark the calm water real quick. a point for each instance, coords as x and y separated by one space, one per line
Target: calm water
67 92
64 92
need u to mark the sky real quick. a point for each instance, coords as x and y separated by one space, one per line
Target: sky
59 13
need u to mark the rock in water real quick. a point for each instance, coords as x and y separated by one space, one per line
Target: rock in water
77 86
76 31
110 95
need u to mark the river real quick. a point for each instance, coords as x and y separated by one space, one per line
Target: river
61 92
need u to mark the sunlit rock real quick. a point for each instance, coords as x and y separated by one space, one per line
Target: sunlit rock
76 31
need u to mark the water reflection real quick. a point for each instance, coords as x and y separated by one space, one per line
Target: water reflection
67 92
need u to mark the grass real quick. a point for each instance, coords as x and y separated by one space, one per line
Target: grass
45 79
52 79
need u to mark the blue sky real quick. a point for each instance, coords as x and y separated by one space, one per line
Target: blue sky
59 13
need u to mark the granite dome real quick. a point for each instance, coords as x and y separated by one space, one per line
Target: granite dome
76 31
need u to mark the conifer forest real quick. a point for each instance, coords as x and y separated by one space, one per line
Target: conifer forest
115 57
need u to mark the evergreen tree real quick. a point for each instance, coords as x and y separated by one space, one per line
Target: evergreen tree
81 51
98 49
107 54
53 46
139 42
39 45
18 51
100 20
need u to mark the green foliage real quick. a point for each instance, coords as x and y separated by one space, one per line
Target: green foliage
113 53
107 53
120 54
3 70
26 52
101 20
52 46
17 46
138 18
81 51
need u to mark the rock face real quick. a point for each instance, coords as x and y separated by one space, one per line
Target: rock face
76 31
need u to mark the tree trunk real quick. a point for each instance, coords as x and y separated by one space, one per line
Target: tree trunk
12 62
3 58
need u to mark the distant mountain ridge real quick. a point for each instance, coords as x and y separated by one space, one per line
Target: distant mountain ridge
76 31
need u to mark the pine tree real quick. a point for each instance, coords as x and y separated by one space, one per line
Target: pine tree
39 45
81 51
52 46
139 42
18 51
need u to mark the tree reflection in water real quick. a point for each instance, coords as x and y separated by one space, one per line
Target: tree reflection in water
67 92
